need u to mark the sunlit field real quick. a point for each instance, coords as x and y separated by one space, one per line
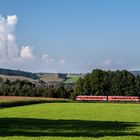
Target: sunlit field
71 121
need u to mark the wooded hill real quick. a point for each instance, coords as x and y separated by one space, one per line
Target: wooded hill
18 73
13 75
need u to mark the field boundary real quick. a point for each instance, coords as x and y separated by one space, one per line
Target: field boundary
13 101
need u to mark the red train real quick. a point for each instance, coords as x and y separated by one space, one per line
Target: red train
108 98
91 98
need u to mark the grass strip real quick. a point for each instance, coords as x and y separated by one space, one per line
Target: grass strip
5 104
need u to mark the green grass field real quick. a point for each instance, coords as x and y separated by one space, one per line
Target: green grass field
72 79
71 121
51 78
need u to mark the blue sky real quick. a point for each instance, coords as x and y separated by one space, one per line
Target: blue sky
74 35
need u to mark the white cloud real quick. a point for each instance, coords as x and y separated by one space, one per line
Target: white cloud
12 20
47 59
108 62
12 48
9 50
62 62
27 52
113 64
10 38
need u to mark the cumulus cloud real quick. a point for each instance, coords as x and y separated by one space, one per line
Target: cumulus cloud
9 50
12 20
47 59
62 62
27 52
108 62
113 64
12 48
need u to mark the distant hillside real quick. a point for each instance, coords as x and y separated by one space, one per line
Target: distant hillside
14 78
59 77
10 72
52 77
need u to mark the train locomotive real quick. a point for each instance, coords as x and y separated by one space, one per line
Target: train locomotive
108 98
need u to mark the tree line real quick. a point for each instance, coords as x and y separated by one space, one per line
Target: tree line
27 88
113 83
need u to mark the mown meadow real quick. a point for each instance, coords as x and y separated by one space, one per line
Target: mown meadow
71 121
